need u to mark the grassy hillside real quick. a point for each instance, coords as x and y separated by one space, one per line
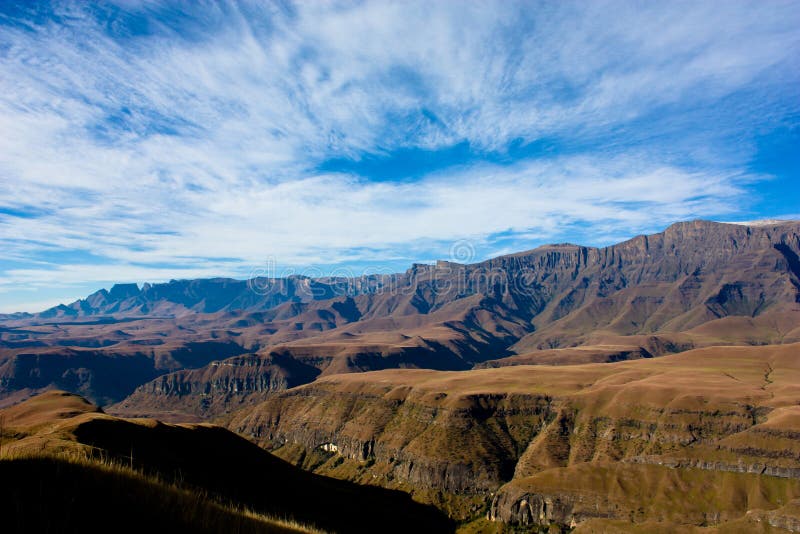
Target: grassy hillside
210 461
460 439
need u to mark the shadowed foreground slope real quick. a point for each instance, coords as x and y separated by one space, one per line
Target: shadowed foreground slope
207 459
52 494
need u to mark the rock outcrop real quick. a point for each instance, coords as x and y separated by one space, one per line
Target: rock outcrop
216 388
596 494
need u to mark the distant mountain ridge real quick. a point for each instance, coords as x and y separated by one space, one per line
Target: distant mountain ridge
179 297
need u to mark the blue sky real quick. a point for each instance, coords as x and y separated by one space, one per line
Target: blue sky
144 141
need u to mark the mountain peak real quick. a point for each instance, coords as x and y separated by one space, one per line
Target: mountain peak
123 291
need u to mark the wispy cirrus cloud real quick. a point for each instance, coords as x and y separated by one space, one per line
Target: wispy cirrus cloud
158 140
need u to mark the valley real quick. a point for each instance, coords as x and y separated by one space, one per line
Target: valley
555 444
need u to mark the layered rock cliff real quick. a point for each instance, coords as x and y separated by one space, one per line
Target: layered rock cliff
105 374
217 388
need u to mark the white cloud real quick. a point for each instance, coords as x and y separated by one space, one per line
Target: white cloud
322 217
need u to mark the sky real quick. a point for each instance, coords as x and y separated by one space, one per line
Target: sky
149 141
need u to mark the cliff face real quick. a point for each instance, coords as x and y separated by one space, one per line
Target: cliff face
105 374
418 438
216 388
690 274
591 497
492 435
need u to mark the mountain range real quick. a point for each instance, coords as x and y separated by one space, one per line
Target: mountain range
202 347
602 389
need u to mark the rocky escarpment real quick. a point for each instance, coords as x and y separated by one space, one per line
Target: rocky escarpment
490 435
216 388
103 374
595 494
471 444
225 385
690 274
786 518
411 438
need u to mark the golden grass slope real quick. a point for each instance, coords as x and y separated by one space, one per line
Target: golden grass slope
767 374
